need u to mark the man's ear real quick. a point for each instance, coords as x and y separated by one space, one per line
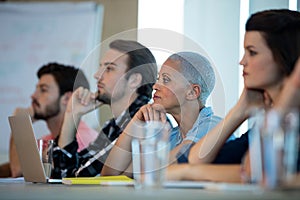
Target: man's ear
135 80
193 92
65 98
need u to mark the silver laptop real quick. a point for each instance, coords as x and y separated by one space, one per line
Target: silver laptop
27 150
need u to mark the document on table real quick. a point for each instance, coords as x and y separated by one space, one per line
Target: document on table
211 185
187 184
12 180
100 180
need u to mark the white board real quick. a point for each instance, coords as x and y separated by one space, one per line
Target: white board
33 34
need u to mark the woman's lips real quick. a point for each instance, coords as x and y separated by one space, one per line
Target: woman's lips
156 97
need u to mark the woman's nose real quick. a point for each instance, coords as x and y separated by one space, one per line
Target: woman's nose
243 61
156 86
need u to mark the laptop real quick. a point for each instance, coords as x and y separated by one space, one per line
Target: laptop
27 150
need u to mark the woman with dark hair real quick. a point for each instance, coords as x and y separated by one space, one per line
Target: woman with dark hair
272 48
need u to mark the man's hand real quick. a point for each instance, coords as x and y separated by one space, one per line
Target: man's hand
82 102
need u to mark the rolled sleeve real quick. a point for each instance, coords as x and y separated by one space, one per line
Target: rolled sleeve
183 154
204 123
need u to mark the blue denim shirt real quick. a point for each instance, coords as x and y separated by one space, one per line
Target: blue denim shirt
204 123
206 120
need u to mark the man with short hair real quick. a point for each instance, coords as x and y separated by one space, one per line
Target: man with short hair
49 101
125 78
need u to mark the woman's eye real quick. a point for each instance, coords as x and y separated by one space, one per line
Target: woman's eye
252 53
166 80
163 79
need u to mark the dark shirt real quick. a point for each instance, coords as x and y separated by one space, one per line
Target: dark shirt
89 162
232 152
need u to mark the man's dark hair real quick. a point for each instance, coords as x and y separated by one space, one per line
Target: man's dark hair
141 61
67 77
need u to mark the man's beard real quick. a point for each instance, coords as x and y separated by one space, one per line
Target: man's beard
50 111
103 98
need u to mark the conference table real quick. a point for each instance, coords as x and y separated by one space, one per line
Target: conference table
40 191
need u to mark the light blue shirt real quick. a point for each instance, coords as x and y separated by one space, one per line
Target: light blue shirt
205 122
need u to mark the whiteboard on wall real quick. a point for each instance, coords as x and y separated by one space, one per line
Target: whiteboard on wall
34 34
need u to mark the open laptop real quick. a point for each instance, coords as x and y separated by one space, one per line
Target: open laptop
27 150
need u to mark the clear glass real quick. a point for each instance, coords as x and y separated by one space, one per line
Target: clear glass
280 147
46 153
150 154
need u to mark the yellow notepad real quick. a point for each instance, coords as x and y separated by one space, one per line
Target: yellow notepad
99 180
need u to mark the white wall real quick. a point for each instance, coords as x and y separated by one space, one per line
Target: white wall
217 26
258 5
214 25
34 34
160 15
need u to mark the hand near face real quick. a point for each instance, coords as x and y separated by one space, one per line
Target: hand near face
251 99
295 77
83 101
290 94
151 112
